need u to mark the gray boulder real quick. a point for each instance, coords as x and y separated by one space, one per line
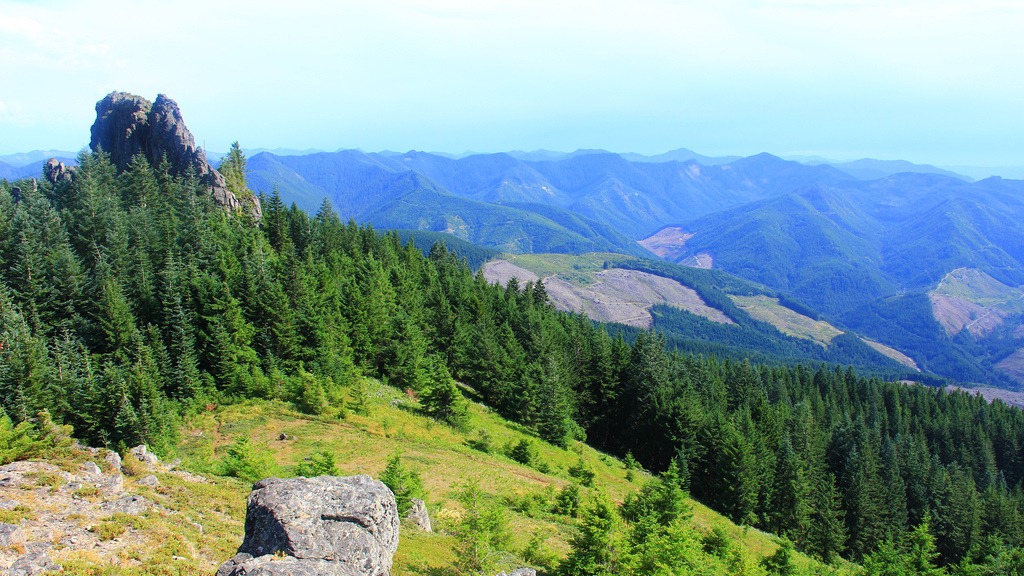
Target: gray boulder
144 455
418 515
114 459
32 563
10 535
91 469
130 504
328 525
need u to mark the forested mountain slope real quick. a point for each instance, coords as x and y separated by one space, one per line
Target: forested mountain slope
869 255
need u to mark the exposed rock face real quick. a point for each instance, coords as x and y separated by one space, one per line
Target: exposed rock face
328 525
127 125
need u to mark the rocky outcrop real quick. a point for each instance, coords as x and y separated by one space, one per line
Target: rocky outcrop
328 525
54 510
56 171
127 125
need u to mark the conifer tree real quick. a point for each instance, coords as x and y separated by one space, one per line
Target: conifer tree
595 550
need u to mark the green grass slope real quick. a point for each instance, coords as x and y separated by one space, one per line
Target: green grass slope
200 522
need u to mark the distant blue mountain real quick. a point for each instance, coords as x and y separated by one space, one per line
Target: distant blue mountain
31 170
682 155
38 157
871 169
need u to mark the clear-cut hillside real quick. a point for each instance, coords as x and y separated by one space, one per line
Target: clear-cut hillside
616 295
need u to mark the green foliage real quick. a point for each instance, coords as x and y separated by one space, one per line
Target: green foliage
781 561
523 452
31 438
406 484
596 549
582 472
233 167
320 463
312 399
661 500
441 399
247 462
567 502
482 533
482 442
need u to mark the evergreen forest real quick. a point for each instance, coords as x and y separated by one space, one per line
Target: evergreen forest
129 301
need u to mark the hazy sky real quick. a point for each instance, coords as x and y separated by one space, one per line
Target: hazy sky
928 81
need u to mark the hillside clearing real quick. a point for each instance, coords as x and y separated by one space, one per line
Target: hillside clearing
616 295
768 309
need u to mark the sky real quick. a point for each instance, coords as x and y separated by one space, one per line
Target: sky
932 81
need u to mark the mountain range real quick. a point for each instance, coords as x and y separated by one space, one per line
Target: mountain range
865 252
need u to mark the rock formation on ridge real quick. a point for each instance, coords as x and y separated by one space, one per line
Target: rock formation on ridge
127 125
328 526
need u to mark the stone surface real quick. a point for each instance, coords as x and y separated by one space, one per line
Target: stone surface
519 572
130 504
144 455
114 459
127 125
32 563
150 480
91 469
10 535
27 474
419 515
328 525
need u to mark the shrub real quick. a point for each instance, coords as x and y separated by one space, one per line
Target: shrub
406 484
522 452
319 464
246 462
582 472
567 503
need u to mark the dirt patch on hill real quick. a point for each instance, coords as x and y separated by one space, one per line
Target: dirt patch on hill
970 299
616 295
501 271
667 243
626 297
1008 396
789 322
702 260
955 313
892 353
